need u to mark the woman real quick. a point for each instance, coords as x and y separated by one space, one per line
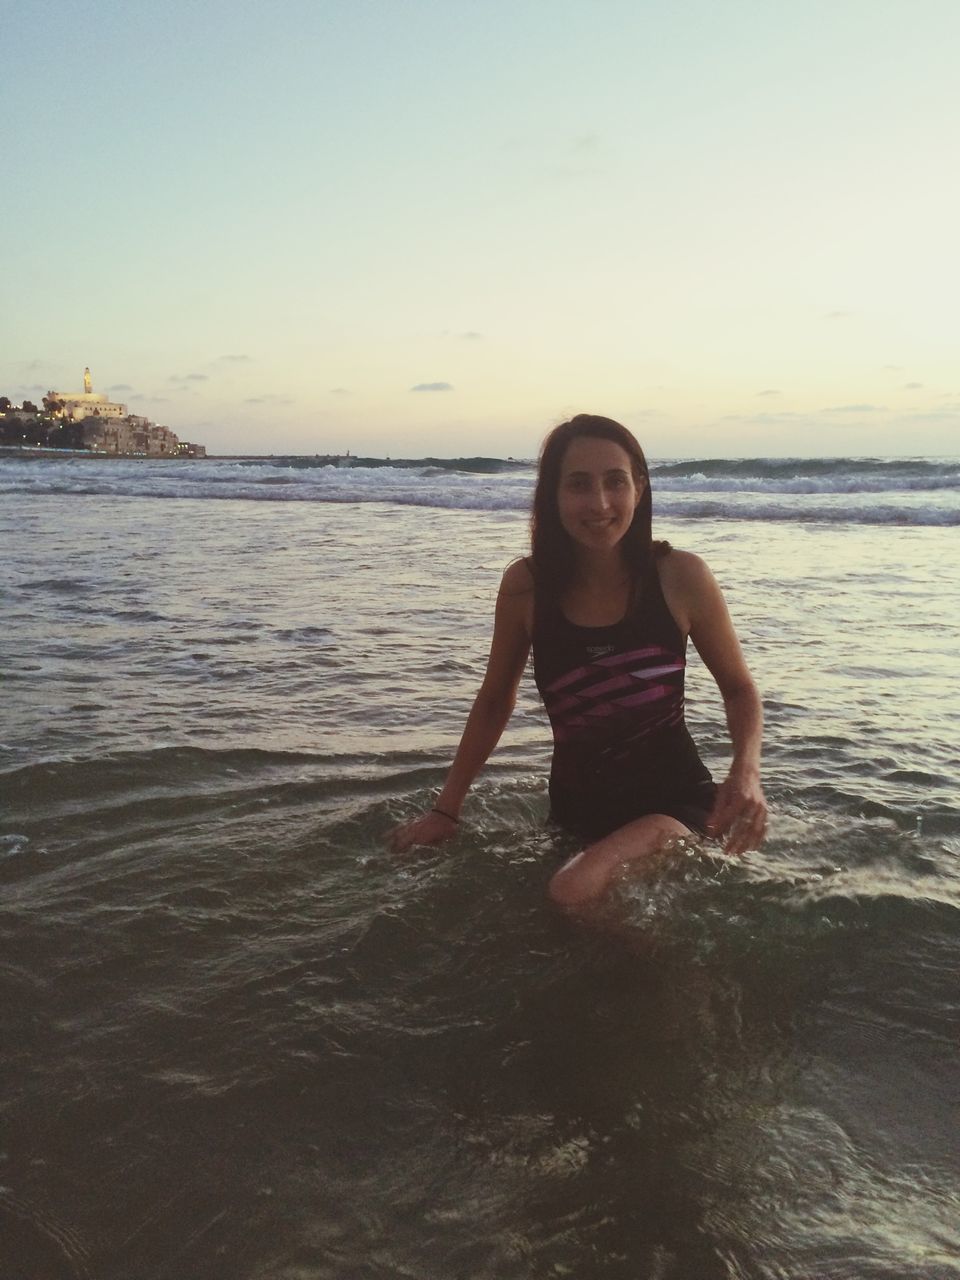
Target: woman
607 612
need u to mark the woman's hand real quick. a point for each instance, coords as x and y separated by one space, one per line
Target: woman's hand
430 828
739 812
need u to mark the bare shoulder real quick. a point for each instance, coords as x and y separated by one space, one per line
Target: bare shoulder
688 586
515 599
517 579
684 571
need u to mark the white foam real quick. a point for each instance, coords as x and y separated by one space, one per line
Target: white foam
843 491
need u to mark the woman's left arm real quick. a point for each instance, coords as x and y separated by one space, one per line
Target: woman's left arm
740 810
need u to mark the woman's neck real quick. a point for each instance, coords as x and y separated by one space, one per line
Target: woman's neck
600 572
599 593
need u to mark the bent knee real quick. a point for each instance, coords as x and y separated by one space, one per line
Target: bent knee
576 886
584 880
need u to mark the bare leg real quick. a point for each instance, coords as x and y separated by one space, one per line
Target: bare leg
582 882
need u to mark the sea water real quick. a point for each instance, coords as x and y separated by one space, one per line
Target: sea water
242 1041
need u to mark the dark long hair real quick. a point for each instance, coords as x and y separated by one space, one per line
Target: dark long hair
552 550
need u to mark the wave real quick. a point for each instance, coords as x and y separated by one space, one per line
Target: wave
921 492
873 513
808 475
780 467
442 466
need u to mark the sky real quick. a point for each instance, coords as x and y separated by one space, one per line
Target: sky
408 227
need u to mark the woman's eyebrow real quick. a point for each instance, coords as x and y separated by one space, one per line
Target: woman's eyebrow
611 471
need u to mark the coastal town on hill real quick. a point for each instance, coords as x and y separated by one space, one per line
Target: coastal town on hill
87 422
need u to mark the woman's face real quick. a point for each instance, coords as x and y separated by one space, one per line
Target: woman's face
597 494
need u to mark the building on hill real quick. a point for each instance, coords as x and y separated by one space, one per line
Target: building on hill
105 426
130 435
77 405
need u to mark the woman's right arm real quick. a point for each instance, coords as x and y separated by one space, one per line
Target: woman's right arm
492 707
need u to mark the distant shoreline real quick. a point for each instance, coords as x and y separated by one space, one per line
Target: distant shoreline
349 461
302 460
31 454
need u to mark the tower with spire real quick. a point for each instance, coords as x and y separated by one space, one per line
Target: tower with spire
77 405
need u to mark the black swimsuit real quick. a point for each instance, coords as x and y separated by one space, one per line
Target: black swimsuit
614 696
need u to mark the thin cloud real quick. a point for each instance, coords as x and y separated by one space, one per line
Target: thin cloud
837 315
269 399
855 408
471 335
556 156
233 359
762 419
340 391
912 386
188 377
770 391
433 386
585 142
120 386
946 415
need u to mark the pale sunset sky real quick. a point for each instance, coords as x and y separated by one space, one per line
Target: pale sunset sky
409 227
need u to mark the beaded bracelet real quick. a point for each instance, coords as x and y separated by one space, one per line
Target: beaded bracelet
443 814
